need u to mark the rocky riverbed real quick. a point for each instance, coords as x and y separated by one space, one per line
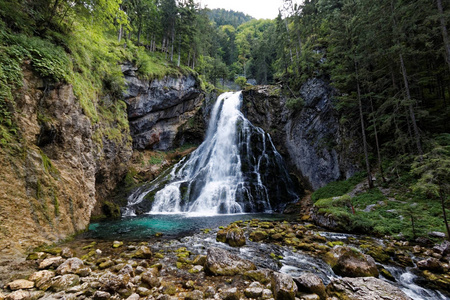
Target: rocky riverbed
245 260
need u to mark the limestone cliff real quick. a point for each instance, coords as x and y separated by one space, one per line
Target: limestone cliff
60 164
159 108
312 140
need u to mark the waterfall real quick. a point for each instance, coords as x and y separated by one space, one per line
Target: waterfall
235 170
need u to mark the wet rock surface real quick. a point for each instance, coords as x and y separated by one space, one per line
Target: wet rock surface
349 262
364 288
286 265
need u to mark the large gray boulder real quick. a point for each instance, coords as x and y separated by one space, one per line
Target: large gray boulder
311 283
364 288
222 262
346 261
283 286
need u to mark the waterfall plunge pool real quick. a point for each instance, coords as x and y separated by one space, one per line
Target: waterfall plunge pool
170 225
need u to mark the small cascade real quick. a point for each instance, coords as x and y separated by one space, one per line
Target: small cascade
235 170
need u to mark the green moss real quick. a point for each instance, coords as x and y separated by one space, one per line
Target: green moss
48 166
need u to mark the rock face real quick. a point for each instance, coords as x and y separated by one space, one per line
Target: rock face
60 164
312 140
222 262
346 261
158 108
364 288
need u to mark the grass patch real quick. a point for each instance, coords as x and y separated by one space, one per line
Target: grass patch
391 216
337 188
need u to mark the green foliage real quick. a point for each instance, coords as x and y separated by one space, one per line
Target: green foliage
241 81
228 17
295 104
156 159
337 188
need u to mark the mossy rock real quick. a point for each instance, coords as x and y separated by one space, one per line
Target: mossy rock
142 252
117 244
199 260
111 210
36 255
387 274
106 264
258 235
233 235
335 243
348 262
261 276
53 251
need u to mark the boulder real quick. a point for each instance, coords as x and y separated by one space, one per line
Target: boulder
52 262
42 279
364 288
261 275
19 295
20 284
443 249
199 260
101 295
127 269
311 283
63 282
67 253
222 262
253 292
151 278
230 294
346 261
258 235
133 297
431 264
73 266
142 252
232 235
117 244
283 286
194 295
36 255
114 283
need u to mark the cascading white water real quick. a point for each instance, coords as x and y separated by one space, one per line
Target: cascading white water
228 173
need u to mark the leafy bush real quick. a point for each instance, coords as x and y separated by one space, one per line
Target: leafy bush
295 104
241 81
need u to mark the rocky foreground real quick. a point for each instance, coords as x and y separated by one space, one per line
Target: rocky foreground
222 264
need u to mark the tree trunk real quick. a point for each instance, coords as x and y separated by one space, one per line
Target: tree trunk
410 107
442 196
363 129
380 165
120 32
139 34
179 51
444 32
173 42
289 40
